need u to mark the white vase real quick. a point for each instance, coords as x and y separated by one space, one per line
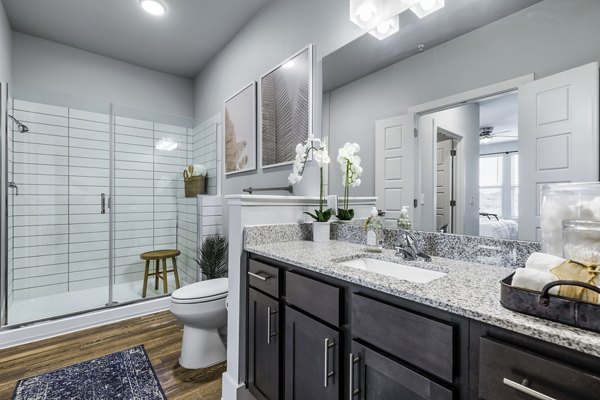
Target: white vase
321 232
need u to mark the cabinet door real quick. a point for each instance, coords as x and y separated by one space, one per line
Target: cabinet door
373 376
263 343
312 358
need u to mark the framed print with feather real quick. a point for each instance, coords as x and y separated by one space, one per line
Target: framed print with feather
286 108
239 121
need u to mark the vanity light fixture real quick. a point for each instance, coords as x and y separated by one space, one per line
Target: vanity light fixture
425 7
386 28
381 17
153 7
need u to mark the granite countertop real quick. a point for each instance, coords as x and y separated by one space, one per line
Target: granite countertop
469 289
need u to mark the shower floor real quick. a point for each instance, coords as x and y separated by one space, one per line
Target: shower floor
44 307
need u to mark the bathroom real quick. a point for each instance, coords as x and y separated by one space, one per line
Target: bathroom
106 90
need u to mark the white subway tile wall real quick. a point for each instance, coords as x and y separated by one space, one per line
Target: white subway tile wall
59 240
41 211
204 151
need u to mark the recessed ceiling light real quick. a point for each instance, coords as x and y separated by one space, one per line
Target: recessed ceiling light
154 7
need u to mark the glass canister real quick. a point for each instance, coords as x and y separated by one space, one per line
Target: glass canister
566 201
581 240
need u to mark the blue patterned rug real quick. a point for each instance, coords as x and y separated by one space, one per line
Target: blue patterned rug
126 375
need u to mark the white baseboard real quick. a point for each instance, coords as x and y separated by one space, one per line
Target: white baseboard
10 337
232 390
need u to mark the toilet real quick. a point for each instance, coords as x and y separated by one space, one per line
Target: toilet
201 308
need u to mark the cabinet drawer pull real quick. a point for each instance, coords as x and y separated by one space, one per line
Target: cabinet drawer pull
270 333
257 276
353 392
327 374
524 389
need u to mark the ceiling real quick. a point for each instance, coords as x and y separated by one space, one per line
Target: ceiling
179 43
367 54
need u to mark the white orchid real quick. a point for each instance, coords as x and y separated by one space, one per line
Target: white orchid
319 150
351 171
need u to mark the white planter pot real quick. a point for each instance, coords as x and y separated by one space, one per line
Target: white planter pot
321 232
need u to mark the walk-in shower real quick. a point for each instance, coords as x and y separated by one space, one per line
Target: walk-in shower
63 254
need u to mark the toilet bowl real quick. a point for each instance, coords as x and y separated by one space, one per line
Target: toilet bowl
201 308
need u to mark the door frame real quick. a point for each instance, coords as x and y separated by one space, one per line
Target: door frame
452 101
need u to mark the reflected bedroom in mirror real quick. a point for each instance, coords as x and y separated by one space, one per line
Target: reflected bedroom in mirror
465 140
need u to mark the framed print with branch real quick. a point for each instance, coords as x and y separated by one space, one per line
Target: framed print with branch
239 114
286 108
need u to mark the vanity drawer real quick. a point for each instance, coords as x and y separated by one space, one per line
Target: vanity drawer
423 342
314 297
509 372
264 277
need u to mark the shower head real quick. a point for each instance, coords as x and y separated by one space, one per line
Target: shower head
20 126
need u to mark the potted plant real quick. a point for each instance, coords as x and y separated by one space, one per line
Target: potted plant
351 171
321 216
213 257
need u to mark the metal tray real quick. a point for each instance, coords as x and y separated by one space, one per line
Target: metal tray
554 308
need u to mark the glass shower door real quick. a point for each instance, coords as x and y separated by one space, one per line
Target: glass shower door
150 156
60 242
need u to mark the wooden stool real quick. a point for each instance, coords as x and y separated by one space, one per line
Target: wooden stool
158 256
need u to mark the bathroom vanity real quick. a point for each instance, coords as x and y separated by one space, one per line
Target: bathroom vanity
319 329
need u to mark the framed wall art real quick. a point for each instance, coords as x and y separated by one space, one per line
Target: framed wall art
239 122
286 108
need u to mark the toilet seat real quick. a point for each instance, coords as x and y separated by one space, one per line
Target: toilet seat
201 292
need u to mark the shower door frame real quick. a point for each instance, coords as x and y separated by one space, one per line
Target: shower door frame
3 204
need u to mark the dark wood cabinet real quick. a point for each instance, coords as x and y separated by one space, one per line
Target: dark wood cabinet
507 371
312 358
373 376
311 336
264 340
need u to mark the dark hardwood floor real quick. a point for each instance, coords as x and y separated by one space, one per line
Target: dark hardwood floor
160 334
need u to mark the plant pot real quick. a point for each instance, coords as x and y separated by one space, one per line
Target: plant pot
321 232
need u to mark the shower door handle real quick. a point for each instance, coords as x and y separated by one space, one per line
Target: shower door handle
102 203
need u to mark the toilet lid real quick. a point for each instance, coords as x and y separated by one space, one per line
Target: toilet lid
201 290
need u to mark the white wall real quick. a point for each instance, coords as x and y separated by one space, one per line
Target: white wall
533 40
5 46
462 121
275 33
52 67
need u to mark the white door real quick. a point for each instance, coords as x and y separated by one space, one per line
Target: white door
558 137
443 185
395 165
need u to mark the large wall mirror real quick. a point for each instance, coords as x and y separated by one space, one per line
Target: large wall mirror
464 115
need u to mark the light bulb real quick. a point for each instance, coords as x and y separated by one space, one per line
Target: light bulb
366 12
153 7
384 27
427 5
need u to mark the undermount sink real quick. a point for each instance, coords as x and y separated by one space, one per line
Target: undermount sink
394 270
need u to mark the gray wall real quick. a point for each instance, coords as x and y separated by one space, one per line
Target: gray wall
546 38
5 46
51 67
275 33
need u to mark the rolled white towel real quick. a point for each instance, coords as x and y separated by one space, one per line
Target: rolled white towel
199 170
543 262
533 279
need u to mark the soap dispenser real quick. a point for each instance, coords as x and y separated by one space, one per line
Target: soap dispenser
404 220
374 230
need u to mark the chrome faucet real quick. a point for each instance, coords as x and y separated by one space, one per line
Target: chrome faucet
409 248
